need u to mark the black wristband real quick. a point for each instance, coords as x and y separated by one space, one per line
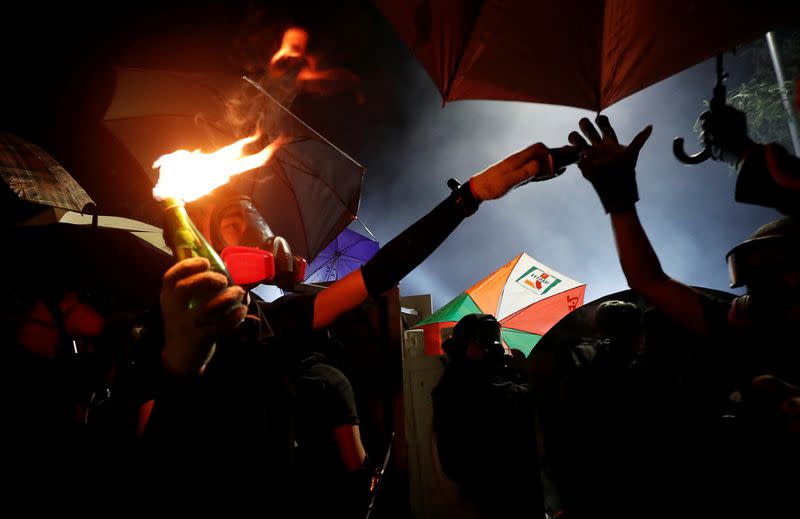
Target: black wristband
465 201
617 196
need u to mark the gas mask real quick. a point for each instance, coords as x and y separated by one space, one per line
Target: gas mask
250 250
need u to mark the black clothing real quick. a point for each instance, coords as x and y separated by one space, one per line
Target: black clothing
483 422
611 400
225 440
672 430
753 457
325 401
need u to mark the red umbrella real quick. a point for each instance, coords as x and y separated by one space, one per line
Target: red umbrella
572 52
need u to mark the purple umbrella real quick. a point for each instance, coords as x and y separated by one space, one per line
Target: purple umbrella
347 252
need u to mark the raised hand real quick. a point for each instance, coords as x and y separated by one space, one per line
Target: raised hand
607 164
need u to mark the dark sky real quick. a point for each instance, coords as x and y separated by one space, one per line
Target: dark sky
57 83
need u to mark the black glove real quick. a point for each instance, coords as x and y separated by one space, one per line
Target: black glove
725 131
609 165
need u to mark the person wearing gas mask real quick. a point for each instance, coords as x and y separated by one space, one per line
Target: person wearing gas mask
219 402
757 331
483 423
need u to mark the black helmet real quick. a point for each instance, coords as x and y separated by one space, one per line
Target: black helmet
482 328
772 248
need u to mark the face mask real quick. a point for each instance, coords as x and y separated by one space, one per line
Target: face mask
251 252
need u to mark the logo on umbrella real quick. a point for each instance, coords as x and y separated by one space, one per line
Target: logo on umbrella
537 280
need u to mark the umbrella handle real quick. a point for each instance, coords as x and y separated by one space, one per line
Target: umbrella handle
717 102
681 155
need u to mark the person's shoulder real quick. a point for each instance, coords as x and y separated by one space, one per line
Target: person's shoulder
717 311
290 313
323 371
290 299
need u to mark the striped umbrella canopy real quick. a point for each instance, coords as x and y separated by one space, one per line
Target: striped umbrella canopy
526 296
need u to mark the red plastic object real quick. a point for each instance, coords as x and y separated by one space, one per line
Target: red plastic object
249 265
300 265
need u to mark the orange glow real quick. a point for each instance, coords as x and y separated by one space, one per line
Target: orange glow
292 61
293 45
325 81
188 175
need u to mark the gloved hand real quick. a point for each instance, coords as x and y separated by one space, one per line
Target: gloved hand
535 162
198 307
725 131
609 165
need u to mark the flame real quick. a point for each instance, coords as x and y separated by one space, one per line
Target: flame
293 45
188 175
293 63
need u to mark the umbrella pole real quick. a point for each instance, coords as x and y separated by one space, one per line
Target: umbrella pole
776 64
257 86
366 228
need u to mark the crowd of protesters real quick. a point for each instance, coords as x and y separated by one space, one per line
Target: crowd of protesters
217 400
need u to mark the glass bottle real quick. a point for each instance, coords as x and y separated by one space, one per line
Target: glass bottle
184 239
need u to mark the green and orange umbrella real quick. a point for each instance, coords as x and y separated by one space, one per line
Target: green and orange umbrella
526 296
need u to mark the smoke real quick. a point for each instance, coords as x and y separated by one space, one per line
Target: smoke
689 212
284 68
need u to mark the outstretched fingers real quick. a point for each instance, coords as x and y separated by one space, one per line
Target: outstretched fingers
609 135
590 131
636 144
576 140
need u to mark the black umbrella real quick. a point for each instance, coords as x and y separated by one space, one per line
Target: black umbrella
308 192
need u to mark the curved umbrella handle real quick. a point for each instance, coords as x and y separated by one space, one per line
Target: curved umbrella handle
681 155
717 102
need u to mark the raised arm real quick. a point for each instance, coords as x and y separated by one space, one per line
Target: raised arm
412 246
611 168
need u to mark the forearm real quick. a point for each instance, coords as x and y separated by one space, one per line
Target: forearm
395 259
638 259
412 246
645 276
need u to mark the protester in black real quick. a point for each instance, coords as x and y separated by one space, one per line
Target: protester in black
483 423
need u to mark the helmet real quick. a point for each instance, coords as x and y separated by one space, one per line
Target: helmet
773 249
480 328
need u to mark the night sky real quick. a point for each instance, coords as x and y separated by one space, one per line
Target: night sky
56 86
